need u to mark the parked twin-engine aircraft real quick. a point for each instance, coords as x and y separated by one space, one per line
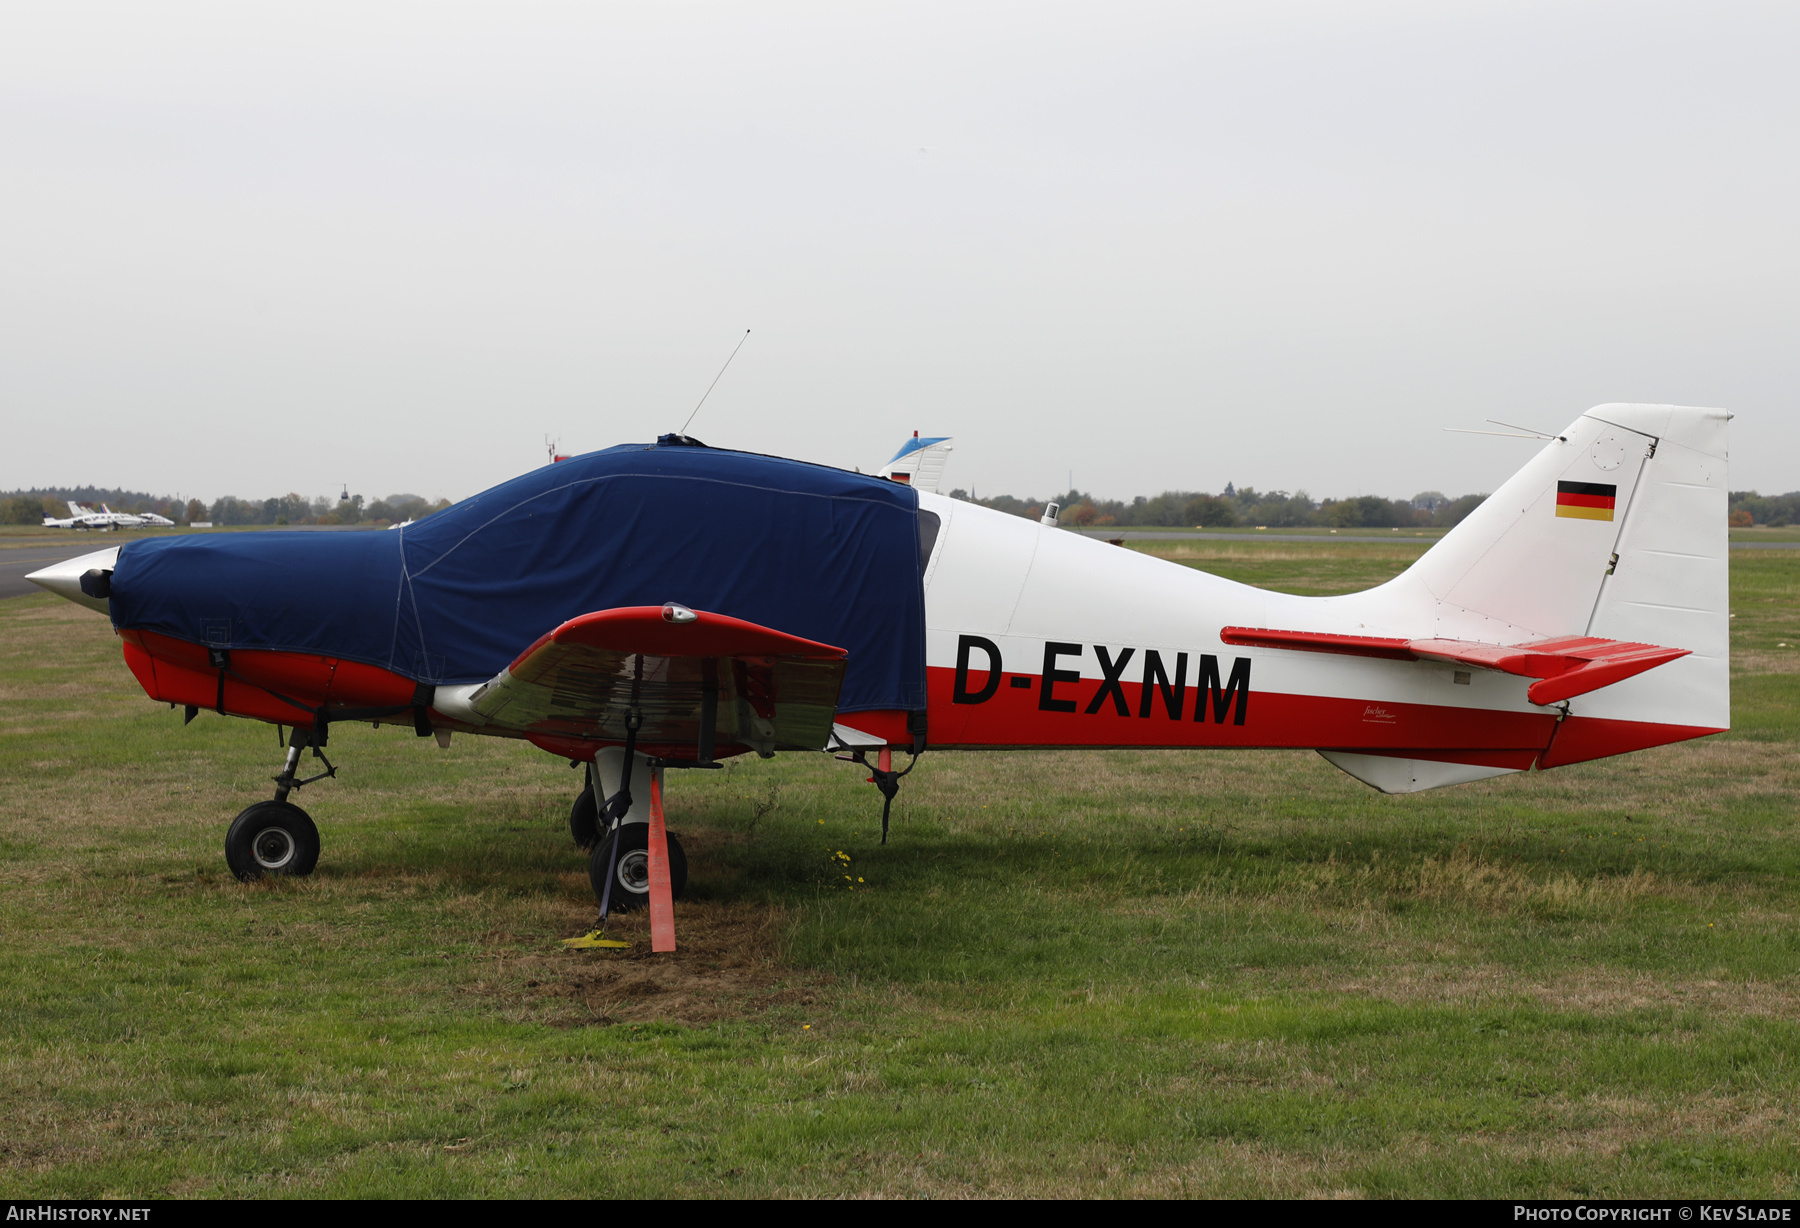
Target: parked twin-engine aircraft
86 518
730 602
80 517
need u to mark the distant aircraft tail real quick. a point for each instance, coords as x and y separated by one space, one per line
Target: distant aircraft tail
1615 530
919 462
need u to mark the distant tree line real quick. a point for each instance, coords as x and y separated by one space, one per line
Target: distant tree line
1278 509
297 509
1273 508
1171 509
31 506
1749 508
30 509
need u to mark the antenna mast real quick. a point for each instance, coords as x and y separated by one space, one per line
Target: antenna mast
715 383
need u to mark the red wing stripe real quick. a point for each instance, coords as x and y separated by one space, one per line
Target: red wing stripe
643 629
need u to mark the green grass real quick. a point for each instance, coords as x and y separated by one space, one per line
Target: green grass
1312 569
1119 973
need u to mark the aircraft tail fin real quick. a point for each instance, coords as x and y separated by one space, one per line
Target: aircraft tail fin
1615 530
919 462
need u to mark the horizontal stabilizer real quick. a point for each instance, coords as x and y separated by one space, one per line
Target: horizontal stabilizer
1564 668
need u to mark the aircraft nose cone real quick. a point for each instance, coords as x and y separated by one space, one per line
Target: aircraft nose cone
64 578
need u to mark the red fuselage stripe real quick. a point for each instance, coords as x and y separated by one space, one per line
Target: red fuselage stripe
1013 717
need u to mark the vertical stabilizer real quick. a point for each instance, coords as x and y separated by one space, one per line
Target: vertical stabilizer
1616 530
919 462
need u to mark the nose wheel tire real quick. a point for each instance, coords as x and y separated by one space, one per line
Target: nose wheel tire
631 869
272 838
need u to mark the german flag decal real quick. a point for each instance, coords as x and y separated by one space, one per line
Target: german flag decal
1586 500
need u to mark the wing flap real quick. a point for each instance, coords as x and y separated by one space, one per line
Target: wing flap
1564 667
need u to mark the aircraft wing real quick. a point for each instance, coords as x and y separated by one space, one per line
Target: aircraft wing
1564 667
697 680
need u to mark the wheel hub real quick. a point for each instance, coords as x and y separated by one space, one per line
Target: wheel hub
634 871
273 848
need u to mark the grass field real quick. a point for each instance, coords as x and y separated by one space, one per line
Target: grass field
1114 973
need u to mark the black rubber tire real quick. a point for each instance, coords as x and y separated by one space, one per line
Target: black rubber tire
584 820
272 838
631 882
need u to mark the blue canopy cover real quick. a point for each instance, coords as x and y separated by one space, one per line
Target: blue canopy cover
812 551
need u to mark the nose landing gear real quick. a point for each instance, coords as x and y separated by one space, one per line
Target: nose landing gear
277 837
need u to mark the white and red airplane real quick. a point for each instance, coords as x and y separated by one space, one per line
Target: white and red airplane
745 603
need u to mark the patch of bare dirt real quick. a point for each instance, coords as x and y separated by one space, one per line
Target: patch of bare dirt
727 965
1601 993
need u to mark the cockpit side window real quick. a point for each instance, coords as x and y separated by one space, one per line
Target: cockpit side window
929 524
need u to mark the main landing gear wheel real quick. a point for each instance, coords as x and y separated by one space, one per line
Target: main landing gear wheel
584 820
631 871
272 838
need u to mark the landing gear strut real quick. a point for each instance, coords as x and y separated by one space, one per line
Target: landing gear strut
277 837
619 863
636 862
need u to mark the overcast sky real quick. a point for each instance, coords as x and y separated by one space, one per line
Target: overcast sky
253 248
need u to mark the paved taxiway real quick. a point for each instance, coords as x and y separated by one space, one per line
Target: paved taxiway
19 561
16 562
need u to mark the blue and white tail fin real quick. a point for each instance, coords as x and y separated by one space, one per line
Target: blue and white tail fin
919 462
